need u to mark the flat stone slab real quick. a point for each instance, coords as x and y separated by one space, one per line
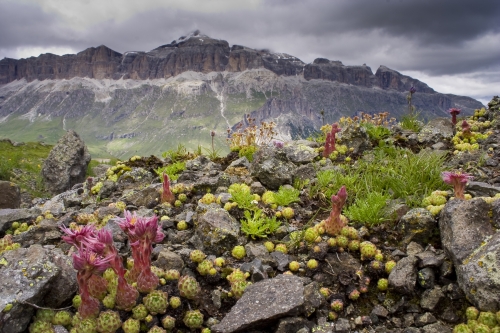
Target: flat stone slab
264 302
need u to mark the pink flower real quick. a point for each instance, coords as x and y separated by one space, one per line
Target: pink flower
148 228
330 140
334 223
87 260
82 235
458 179
127 223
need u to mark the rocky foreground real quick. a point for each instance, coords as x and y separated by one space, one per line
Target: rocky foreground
443 262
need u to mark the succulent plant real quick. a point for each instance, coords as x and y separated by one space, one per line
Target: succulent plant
389 266
197 256
139 312
236 275
294 266
342 241
487 318
44 315
287 213
188 287
269 246
238 288
383 284
332 242
62 318
108 322
353 245
168 322
482 328
281 248
462 328
156 329
193 319
156 302
182 225
97 286
204 267
208 198
131 325
310 235
324 291
219 262
312 264
172 274
368 250
88 325
472 313
175 302
354 294
109 301
238 252
41 326
337 305
332 316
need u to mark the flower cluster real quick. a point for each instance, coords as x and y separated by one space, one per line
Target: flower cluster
458 180
96 252
335 222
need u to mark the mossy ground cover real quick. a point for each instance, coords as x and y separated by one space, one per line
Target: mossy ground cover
23 164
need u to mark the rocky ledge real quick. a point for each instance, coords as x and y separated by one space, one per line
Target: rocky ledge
417 272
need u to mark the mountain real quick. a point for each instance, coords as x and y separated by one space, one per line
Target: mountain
148 102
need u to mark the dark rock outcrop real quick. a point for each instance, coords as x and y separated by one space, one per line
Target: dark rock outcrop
10 195
66 164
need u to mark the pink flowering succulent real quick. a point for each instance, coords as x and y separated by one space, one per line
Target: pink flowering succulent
87 263
126 295
458 179
454 112
466 130
334 223
330 140
142 233
166 194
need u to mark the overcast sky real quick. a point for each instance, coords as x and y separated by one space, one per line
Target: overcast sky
452 45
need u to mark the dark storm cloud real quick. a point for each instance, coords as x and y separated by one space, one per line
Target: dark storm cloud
436 37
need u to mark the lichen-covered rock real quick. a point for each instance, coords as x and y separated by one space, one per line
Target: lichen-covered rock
34 275
8 216
10 195
418 225
217 230
464 225
403 277
300 152
478 275
66 164
263 303
436 130
272 168
147 197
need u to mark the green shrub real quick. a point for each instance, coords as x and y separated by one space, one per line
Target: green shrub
257 224
172 170
286 196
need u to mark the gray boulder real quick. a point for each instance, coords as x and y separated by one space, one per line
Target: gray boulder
436 130
418 225
217 229
66 164
36 275
9 216
478 276
403 277
263 303
272 167
464 225
10 195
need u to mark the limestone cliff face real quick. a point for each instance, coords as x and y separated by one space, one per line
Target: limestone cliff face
197 53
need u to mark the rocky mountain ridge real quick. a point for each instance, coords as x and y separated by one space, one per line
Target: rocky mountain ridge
148 102
199 53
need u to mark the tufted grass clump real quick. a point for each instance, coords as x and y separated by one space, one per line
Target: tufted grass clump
173 170
258 225
390 171
369 209
286 196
